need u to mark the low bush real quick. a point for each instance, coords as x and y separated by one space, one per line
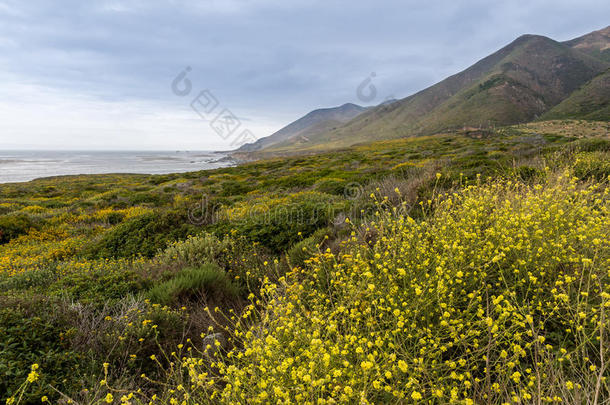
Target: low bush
196 251
306 248
279 226
99 285
331 186
592 165
31 333
232 187
149 198
207 281
142 236
27 279
12 226
593 145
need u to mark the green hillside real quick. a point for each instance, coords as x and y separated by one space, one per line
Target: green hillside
591 102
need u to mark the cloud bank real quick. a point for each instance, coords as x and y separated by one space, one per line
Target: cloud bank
97 75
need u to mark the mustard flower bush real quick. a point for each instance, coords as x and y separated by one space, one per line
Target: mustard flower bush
500 296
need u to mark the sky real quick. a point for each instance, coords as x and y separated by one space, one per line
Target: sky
212 74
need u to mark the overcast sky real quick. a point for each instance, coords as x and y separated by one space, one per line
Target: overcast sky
80 74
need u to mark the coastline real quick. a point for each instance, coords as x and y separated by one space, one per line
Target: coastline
26 166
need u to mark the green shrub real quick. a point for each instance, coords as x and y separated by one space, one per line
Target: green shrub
594 145
190 283
281 226
115 218
592 165
33 335
527 172
196 251
232 187
148 198
142 236
97 286
12 226
331 186
306 248
301 251
27 279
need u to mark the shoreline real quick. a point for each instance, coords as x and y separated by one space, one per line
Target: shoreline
27 166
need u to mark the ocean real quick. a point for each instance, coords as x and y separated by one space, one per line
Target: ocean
19 166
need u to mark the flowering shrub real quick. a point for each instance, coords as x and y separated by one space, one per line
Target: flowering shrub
501 295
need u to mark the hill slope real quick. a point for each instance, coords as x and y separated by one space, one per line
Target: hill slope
316 121
591 102
596 43
518 83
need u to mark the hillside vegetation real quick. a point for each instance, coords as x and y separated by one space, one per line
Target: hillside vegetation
465 267
592 101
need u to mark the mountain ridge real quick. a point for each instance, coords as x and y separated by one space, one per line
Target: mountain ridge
316 120
596 43
518 83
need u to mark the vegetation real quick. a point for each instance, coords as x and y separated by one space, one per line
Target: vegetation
189 282
588 102
12 226
469 267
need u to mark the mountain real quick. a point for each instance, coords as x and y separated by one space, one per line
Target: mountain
596 43
519 83
321 120
591 102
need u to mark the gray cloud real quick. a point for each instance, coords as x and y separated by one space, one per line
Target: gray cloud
270 61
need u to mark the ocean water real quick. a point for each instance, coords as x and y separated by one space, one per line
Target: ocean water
18 166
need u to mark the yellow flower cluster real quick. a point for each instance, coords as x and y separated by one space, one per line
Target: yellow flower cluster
485 300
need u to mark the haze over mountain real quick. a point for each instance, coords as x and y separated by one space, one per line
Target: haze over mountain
518 83
316 121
